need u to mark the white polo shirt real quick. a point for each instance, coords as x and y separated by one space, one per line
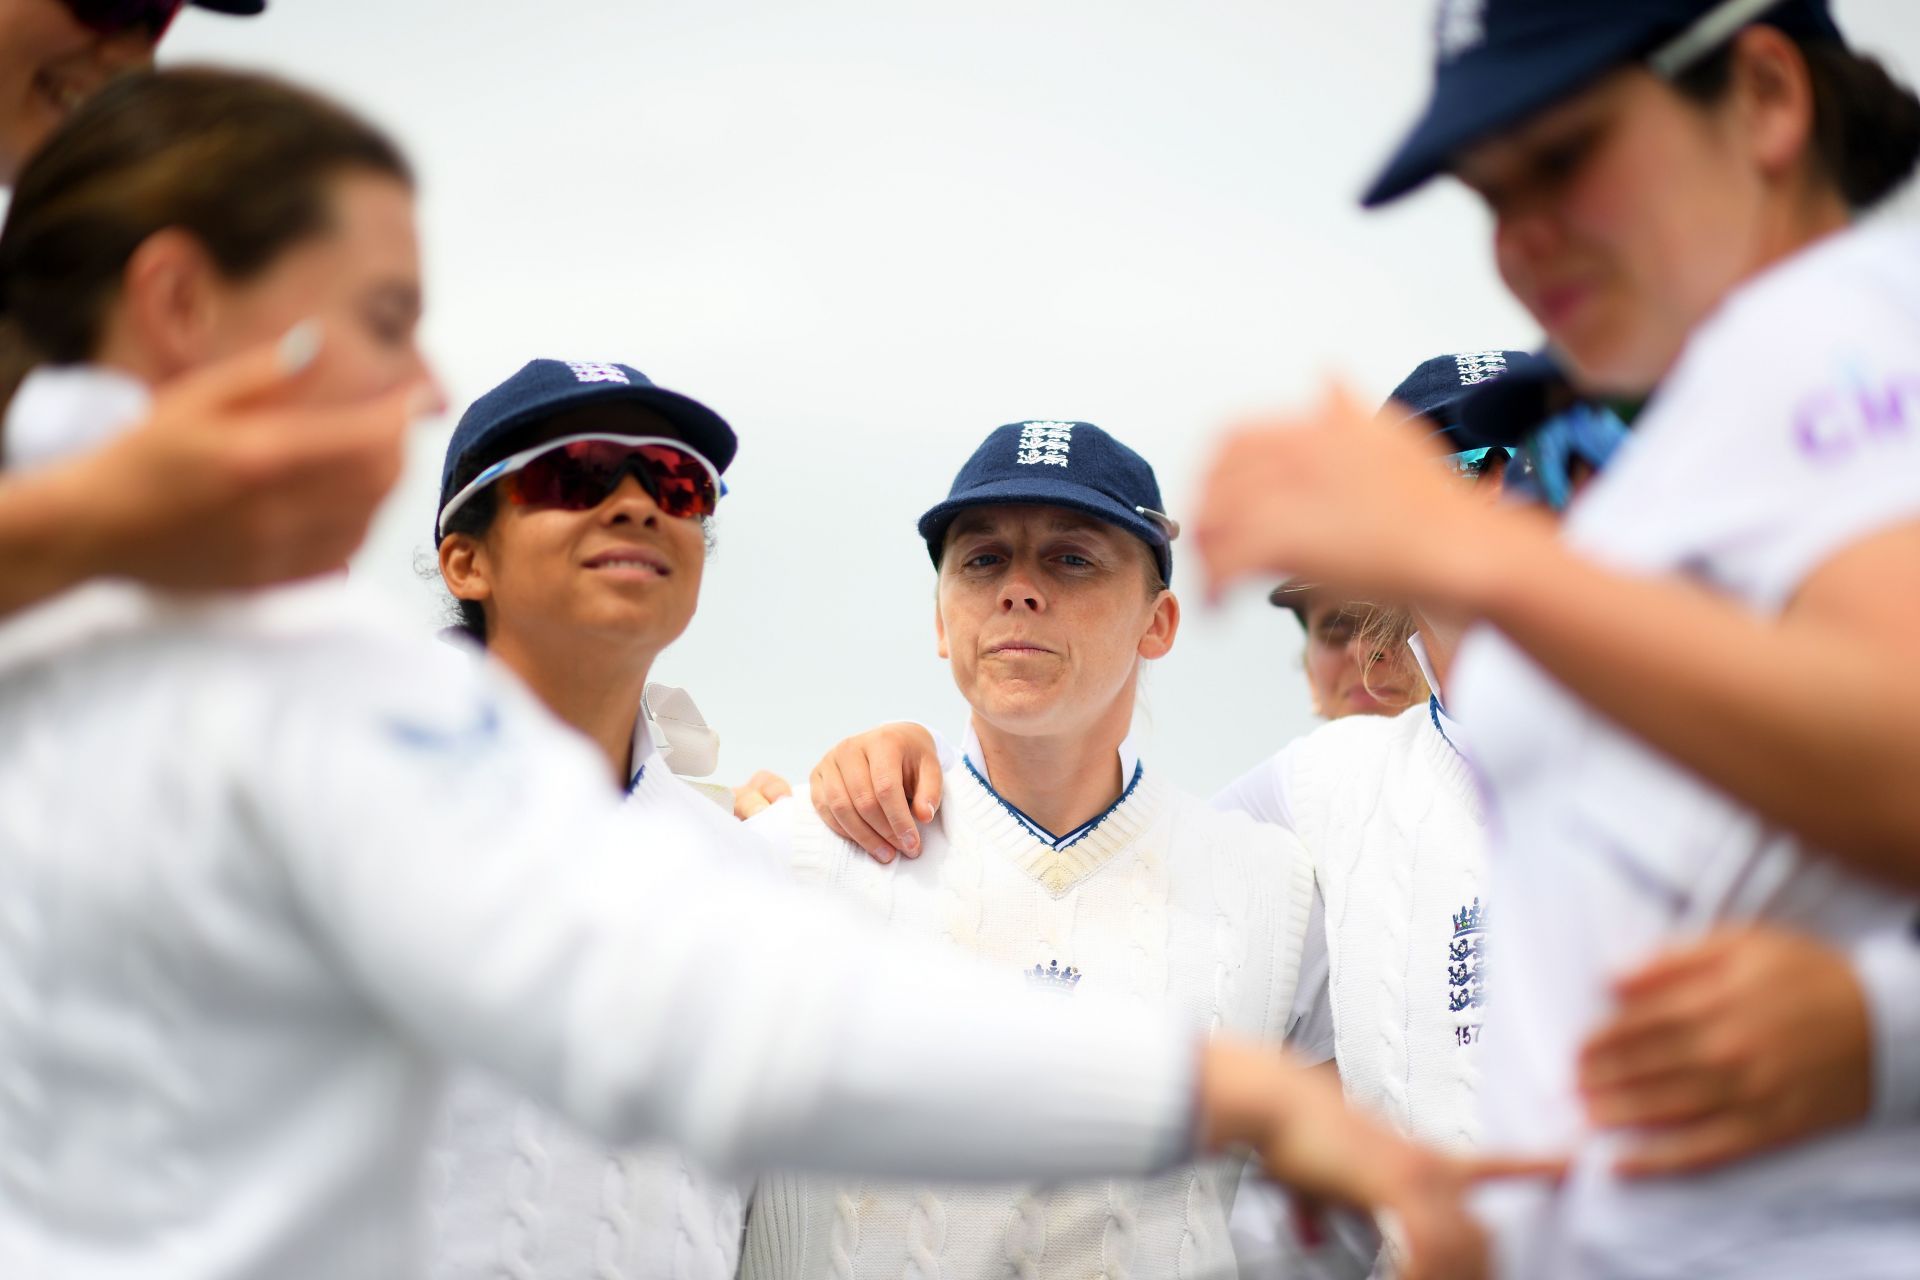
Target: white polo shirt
1789 429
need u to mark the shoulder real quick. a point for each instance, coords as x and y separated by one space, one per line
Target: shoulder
812 849
1337 748
1815 359
1195 820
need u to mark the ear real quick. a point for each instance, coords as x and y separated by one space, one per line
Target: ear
940 628
1776 94
1161 627
171 295
464 567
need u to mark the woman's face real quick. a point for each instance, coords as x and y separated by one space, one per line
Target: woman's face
1621 218
49 65
360 279
624 575
1345 675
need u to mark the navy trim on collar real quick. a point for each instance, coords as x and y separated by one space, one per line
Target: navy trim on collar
1039 832
1433 709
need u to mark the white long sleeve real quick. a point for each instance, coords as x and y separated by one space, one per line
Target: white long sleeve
263 864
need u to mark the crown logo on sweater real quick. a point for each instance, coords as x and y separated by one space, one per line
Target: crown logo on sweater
1468 919
1053 977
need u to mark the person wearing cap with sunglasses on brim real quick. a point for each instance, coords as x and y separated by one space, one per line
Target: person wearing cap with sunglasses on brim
1694 703
1063 859
224 486
575 502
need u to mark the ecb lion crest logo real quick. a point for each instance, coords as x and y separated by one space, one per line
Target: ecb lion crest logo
1464 960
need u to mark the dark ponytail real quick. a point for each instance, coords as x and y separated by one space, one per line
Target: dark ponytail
241 162
1866 124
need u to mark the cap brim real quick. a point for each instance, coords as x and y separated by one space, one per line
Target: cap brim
1470 105
238 8
1291 594
690 420
1037 492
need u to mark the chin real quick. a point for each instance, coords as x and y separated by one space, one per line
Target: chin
1612 360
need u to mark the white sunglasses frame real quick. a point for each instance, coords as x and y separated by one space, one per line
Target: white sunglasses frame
517 461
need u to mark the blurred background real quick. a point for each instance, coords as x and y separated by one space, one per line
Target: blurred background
867 232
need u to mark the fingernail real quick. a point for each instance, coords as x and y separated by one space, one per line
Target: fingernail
299 346
910 845
884 856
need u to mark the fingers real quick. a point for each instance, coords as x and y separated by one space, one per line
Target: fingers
757 794
1714 1141
1477 1169
1680 965
929 789
882 802
1677 1098
1652 1034
833 801
771 785
249 376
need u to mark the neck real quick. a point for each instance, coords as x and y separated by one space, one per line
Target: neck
594 688
1060 781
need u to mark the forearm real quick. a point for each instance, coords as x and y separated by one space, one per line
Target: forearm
44 547
1785 716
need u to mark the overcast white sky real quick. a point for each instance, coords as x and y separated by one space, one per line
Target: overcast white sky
869 231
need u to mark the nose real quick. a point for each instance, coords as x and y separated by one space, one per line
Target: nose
1018 594
1524 236
630 503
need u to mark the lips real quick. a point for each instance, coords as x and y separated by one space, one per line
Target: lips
1555 307
635 560
1016 649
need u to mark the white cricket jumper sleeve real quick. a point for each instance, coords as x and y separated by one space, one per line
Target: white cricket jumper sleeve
464 858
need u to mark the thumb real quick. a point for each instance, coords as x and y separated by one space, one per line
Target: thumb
252 374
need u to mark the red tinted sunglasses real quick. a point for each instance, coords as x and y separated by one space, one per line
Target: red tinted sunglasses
111 17
577 473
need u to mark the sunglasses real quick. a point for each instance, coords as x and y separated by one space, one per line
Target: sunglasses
577 473
1585 433
111 17
1475 463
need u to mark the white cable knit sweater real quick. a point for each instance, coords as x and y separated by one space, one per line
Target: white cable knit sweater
516 1191
1391 815
1162 901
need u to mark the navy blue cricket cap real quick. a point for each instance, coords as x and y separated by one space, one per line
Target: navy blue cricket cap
1060 464
1501 61
1439 390
1505 412
496 424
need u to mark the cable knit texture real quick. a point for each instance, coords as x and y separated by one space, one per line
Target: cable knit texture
1163 902
1391 815
520 1193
